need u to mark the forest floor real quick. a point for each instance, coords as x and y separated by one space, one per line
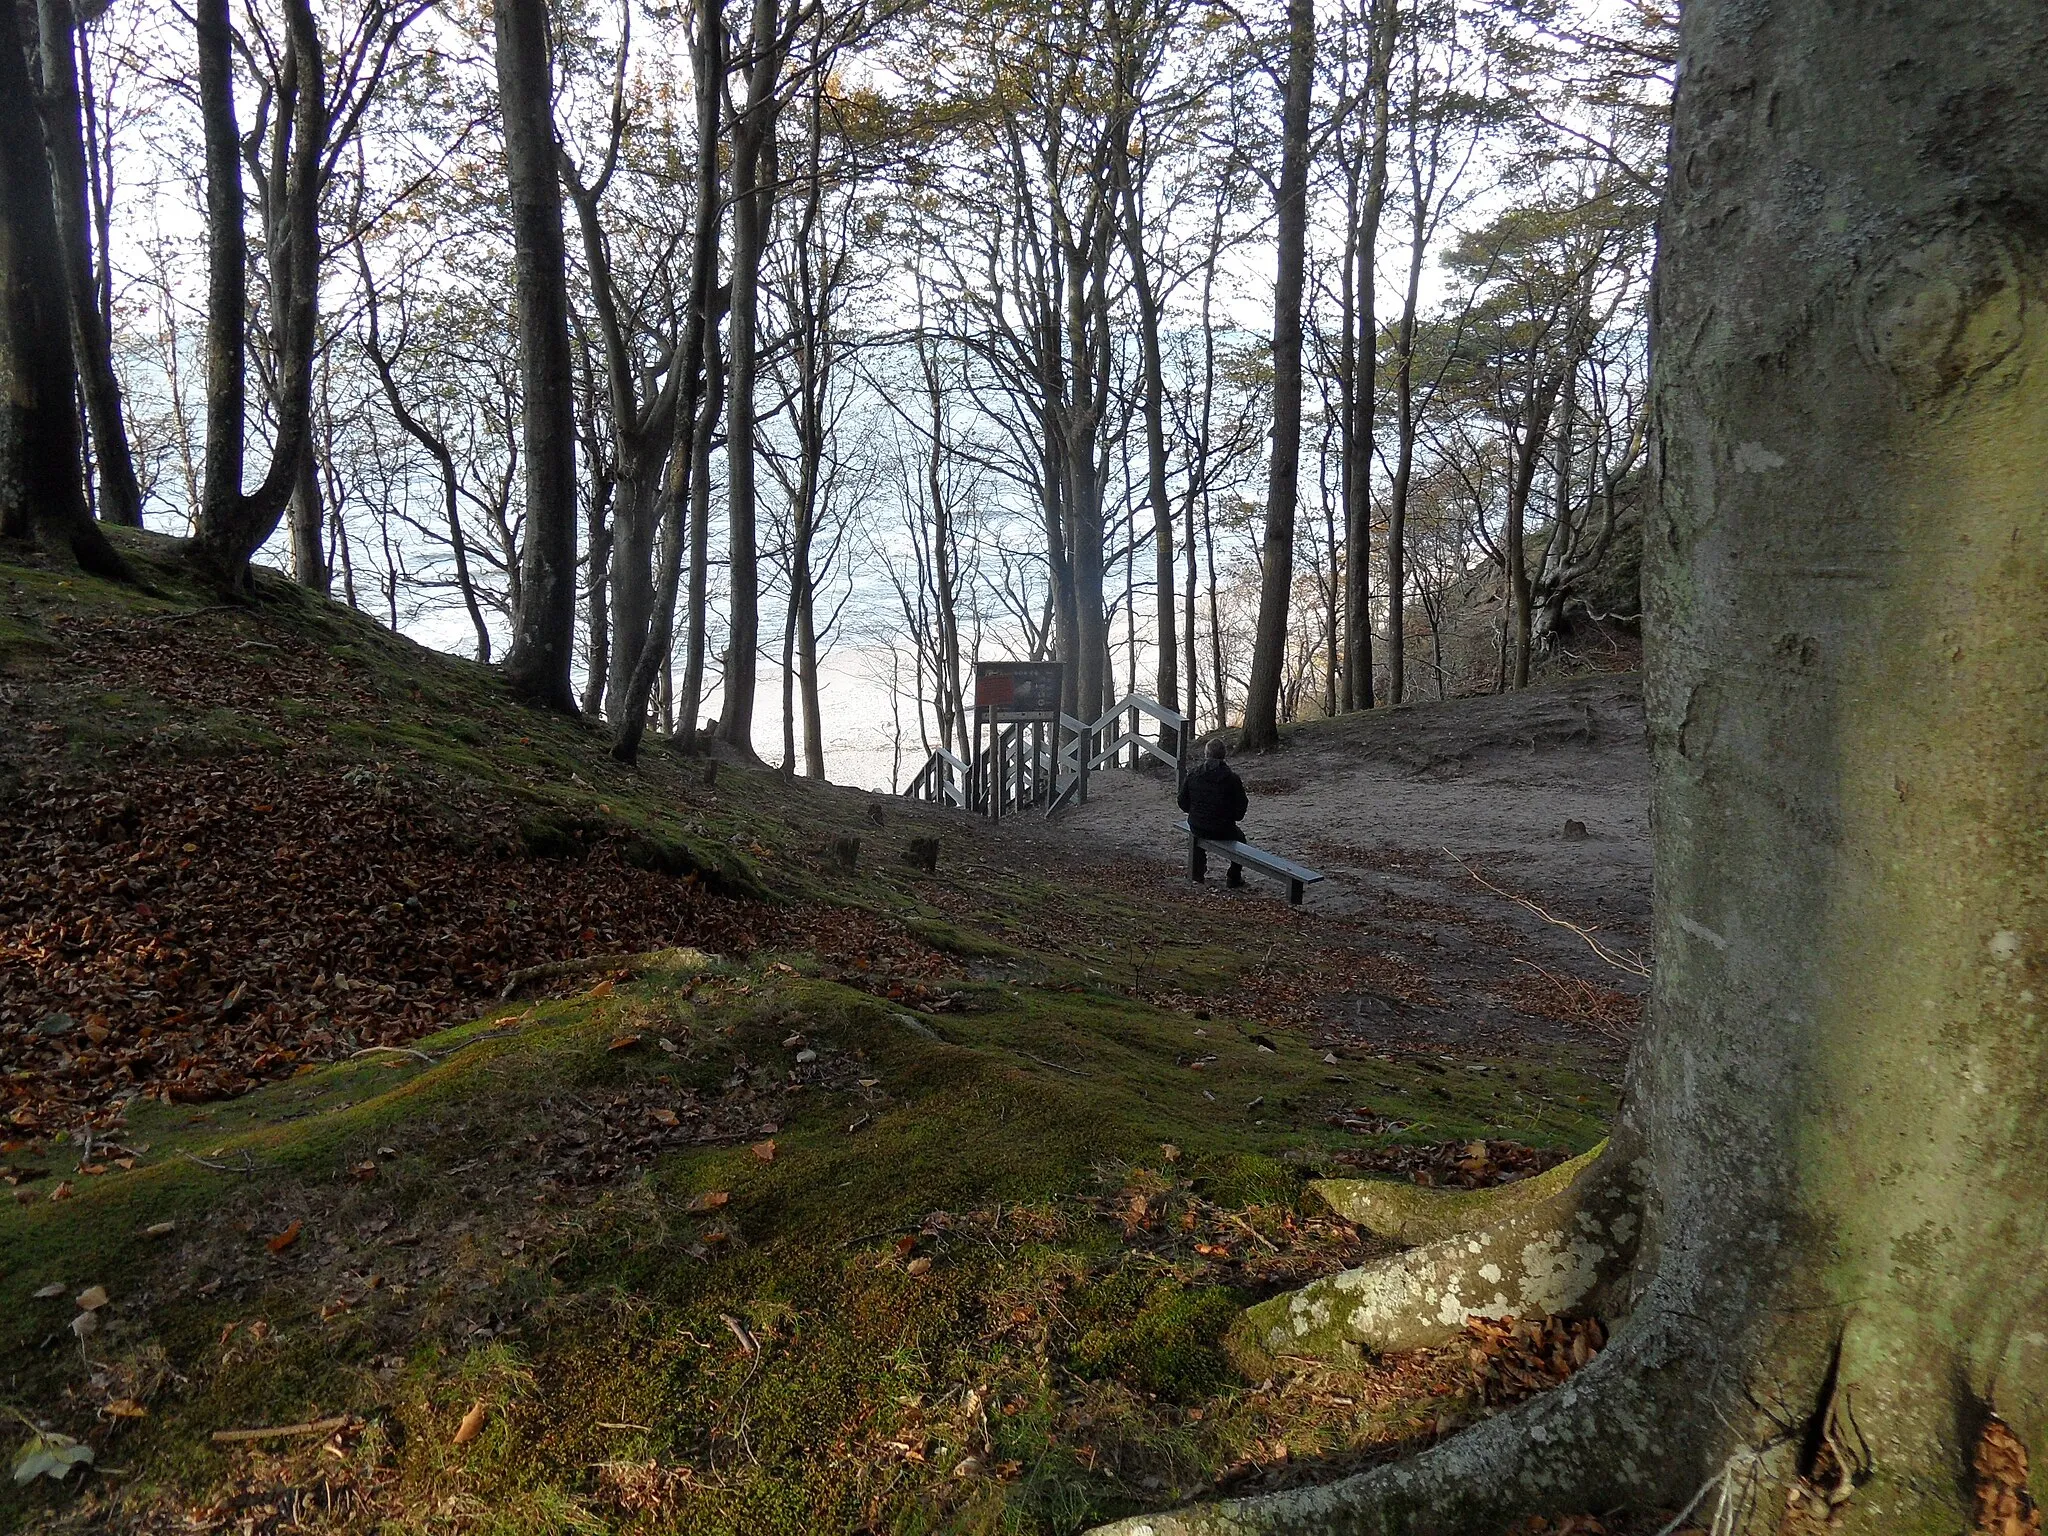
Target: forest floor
811 1196
1495 851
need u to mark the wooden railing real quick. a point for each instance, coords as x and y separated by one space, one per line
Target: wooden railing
942 780
1032 764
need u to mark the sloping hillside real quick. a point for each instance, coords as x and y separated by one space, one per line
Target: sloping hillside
784 1193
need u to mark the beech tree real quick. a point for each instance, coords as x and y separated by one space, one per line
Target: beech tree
1140 41
753 204
1820 1212
233 524
1361 137
63 128
641 402
42 470
364 44
537 664
685 501
1262 692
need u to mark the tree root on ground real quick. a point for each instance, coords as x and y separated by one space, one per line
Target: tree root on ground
1596 1442
1556 1243
694 960
1413 1214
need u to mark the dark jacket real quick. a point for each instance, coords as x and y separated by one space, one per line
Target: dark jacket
1214 798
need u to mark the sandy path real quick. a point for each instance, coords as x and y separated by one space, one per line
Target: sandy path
1375 801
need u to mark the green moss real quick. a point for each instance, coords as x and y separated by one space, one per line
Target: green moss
1247 1178
968 1114
951 940
1155 1336
559 835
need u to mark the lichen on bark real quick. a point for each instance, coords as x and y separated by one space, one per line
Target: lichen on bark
1554 1245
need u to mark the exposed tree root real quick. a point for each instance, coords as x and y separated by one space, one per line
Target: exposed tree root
1596 1442
693 960
1558 1243
1412 1214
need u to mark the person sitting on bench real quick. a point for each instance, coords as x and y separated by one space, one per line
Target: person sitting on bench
1214 798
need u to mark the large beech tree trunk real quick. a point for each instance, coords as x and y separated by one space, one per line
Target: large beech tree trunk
686 492
753 197
544 623
1269 651
233 525
42 472
120 495
1837 1101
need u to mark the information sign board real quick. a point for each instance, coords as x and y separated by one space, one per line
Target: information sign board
1018 690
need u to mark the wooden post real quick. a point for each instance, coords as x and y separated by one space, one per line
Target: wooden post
995 763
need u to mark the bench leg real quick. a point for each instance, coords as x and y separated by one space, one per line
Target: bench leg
1294 893
1198 861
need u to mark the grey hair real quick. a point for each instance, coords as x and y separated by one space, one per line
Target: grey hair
1218 748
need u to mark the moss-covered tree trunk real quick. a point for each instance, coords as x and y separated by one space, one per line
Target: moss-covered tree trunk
1839 1098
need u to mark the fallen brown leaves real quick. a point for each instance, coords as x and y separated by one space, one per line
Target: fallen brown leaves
188 927
1571 1000
595 1136
1456 1164
471 1426
1512 1358
1327 1419
347 912
2004 1507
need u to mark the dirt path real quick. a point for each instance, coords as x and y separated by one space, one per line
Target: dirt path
1544 794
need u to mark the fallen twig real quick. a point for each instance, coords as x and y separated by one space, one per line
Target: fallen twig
632 965
432 1058
320 1427
1056 1066
749 1345
555 970
1572 986
248 1164
1621 962
1250 1231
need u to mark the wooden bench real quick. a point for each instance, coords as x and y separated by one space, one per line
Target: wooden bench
1297 877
